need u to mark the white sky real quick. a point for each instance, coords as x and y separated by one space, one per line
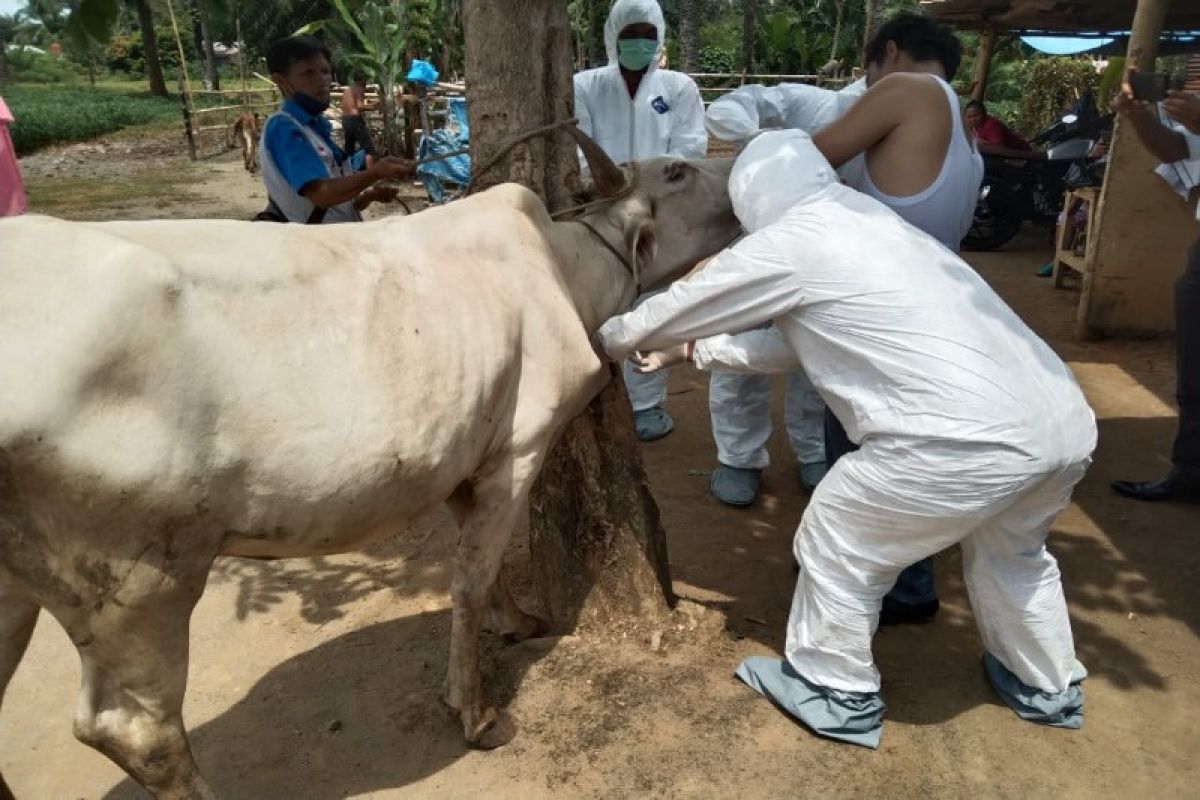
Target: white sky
9 6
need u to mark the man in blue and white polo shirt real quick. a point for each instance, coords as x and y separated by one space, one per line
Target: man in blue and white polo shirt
309 178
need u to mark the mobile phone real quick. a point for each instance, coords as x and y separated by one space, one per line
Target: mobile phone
1149 86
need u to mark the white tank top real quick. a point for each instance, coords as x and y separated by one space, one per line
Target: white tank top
946 208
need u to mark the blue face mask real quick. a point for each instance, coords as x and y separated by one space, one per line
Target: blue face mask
310 104
636 54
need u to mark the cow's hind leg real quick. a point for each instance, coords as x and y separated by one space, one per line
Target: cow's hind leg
487 510
135 662
18 616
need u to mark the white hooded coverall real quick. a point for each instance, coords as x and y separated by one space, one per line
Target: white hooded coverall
740 404
665 118
972 431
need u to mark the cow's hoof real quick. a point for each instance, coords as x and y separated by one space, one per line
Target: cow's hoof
531 627
495 729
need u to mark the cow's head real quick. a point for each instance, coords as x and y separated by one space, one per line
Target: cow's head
670 213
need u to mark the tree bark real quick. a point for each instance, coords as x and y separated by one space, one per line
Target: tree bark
158 85
983 64
749 33
597 52
212 79
839 8
689 35
876 10
596 542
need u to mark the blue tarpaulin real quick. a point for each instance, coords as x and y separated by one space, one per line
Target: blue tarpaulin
455 170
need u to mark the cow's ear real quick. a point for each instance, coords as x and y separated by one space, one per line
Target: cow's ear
634 217
641 241
678 171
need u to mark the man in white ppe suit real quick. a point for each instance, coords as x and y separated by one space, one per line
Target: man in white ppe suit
972 430
923 165
634 111
740 405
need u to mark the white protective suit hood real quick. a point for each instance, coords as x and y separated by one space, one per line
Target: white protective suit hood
632 12
776 172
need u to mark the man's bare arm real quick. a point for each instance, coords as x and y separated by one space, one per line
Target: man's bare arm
329 192
876 114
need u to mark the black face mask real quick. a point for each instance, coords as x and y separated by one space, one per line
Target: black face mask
310 104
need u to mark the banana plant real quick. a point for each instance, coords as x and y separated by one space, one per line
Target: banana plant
374 42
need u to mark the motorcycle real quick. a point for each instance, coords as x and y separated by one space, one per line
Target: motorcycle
1015 191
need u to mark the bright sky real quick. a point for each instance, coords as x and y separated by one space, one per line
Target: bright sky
9 6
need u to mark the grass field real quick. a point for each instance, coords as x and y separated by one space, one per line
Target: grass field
56 114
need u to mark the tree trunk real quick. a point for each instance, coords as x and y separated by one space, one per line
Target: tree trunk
158 85
689 35
983 64
596 542
597 52
876 11
749 33
839 7
212 80
3 64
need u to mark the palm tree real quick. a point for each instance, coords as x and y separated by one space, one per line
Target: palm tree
749 33
689 35
158 85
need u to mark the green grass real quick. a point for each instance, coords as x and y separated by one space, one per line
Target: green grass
57 114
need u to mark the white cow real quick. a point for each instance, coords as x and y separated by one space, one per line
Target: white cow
163 402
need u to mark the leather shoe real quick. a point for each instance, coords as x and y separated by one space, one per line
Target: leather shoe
1180 485
894 613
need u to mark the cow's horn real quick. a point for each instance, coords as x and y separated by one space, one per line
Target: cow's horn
608 177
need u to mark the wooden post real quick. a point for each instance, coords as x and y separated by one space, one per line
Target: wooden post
186 94
1142 228
1148 23
983 63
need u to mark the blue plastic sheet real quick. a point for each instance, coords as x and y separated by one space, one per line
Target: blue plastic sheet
422 72
438 176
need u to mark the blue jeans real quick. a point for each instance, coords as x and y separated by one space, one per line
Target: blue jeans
915 586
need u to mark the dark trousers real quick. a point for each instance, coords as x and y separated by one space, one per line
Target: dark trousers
356 133
1187 326
915 586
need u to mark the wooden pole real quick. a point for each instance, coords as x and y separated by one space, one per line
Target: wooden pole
241 45
187 86
983 63
1148 23
1126 179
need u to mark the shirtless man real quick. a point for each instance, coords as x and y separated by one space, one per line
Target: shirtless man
354 125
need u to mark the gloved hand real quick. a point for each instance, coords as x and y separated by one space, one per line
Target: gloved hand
646 363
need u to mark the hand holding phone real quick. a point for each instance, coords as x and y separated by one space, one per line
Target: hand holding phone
1150 87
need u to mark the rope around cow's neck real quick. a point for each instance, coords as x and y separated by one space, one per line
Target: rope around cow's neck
616 251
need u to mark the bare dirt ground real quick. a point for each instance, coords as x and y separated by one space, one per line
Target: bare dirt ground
320 679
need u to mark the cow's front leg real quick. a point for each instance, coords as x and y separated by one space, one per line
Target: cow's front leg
487 512
133 647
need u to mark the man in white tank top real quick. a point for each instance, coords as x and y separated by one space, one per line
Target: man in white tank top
920 161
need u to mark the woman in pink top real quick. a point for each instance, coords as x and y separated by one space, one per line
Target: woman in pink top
12 191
